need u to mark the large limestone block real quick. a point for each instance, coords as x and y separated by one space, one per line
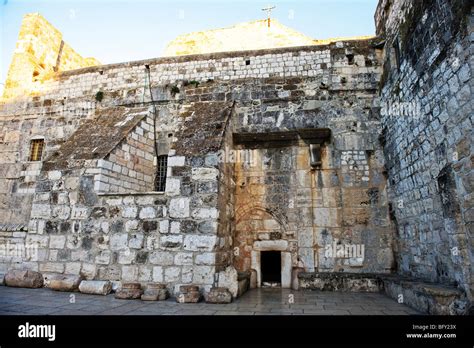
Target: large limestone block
95 287
229 279
24 279
65 282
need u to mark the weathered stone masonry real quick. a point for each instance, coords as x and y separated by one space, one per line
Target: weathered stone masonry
428 140
195 229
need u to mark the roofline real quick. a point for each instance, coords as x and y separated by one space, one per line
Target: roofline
215 56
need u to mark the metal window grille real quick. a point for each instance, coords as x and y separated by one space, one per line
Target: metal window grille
36 149
161 169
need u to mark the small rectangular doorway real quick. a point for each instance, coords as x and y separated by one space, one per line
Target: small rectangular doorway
271 268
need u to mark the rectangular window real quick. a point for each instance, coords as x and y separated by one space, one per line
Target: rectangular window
161 169
36 149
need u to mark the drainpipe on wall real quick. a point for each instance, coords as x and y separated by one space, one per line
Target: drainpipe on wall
315 162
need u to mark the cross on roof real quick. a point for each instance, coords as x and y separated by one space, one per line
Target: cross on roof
269 10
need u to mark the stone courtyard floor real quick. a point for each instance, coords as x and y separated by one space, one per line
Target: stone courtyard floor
17 301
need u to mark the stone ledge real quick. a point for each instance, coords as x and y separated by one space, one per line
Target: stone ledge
430 298
426 297
330 281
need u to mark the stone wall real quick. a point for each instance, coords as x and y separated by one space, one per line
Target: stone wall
206 106
130 166
39 53
124 83
426 100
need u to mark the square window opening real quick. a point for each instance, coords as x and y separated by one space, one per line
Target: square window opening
161 169
36 150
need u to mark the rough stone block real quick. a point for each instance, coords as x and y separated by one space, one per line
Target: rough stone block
24 279
129 291
155 292
190 296
65 282
95 287
219 296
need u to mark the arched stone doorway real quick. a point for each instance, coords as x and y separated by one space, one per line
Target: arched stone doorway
260 238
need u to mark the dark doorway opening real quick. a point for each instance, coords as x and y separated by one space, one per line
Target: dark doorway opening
271 267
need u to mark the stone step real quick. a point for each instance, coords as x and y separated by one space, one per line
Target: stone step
426 297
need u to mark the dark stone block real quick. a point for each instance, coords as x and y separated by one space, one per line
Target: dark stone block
51 227
197 161
160 201
117 226
447 192
188 226
87 196
290 87
180 171
207 227
44 186
64 255
187 189
114 211
275 235
171 245
149 226
159 212
99 212
87 243
207 187
142 257
65 227
54 197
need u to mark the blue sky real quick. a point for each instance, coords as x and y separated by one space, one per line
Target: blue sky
123 30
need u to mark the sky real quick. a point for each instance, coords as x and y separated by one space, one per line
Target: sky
116 31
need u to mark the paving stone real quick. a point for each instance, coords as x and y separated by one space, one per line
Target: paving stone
254 302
